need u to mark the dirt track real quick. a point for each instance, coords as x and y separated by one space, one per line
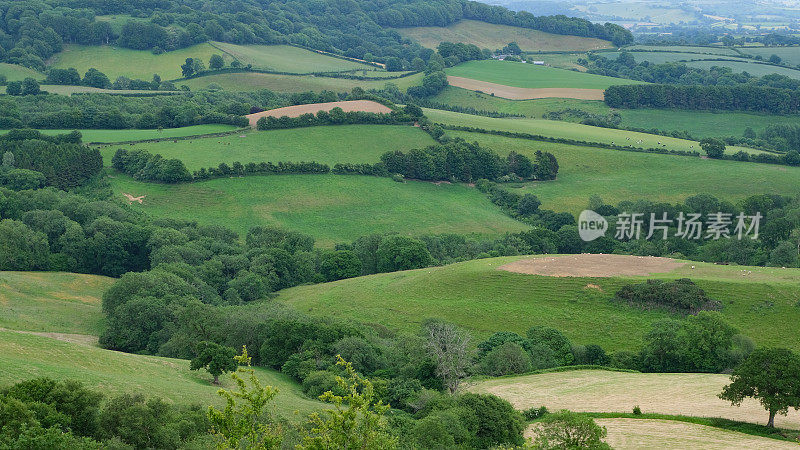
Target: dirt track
516 93
593 265
299 110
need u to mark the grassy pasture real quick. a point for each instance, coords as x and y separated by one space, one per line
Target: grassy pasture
141 64
636 11
286 58
752 68
689 394
567 130
332 208
112 136
24 356
617 175
329 145
293 83
530 76
698 123
455 96
491 36
667 57
69 90
725 51
14 72
790 55
52 302
477 296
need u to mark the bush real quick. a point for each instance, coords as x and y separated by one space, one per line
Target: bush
680 296
569 430
637 411
535 413
506 359
402 253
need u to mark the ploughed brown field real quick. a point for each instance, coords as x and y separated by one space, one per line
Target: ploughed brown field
299 110
517 93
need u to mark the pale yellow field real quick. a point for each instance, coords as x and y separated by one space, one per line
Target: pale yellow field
603 391
651 433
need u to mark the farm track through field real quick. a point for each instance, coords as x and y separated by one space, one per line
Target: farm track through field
299 110
517 93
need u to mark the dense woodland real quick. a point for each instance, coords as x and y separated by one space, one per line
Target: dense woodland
31 32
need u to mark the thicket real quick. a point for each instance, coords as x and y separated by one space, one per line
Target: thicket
335 116
681 296
32 160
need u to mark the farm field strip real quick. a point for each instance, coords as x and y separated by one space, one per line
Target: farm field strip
323 144
689 394
127 135
252 81
287 58
515 93
524 75
313 108
568 130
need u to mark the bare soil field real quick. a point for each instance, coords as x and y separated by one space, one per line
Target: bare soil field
690 394
517 93
651 433
593 265
299 110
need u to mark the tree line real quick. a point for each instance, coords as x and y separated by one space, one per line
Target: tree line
731 98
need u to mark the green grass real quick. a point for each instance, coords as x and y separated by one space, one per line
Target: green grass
455 96
618 175
666 57
758 70
140 64
112 136
789 55
14 72
567 130
477 296
293 83
285 58
332 208
701 123
24 356
724 51
491 36
530 76
52 302
69 90
328 145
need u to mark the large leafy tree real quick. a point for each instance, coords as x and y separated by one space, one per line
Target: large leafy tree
215 358
771 375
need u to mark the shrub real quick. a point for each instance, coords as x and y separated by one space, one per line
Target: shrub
680 296
535 413
569 430
402 253
637 411
508 358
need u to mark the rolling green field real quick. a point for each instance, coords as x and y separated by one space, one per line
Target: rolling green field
49 328
140 64
285 58
698 123
112 136
332 208
293 83
725 51
477 296
69 90
618 175
758 70
24 356
52 302
666 57
328 145
790 55
491 36
14 72
567 130
530 76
